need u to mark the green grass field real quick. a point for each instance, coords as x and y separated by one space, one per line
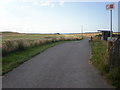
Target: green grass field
7 36
14 36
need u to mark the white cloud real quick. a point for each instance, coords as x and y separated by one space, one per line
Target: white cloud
64 0
47 3
1 8
52 5
25 7
3 16
36 3
61 3
44 3
26 1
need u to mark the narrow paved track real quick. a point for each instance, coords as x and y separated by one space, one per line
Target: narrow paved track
62 66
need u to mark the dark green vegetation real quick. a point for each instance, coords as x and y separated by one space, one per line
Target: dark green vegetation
16 58
100 59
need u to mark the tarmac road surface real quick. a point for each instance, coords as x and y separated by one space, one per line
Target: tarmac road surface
63 66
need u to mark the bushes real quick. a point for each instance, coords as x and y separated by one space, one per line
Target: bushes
20 44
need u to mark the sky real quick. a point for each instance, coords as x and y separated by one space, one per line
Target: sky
38 16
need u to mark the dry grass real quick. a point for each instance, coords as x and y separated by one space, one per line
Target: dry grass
11 45
21 47
94 34
88 34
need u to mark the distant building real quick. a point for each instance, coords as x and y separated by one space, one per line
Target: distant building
105 34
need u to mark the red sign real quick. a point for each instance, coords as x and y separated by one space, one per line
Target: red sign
110 6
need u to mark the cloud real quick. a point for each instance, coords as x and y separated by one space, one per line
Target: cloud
25 7
47 3
36 3
61 3
52 5
44 3
1 7
64 0
3 16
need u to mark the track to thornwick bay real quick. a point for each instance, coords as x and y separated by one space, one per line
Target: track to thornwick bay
63 66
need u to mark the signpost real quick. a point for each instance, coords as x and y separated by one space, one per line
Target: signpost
110 7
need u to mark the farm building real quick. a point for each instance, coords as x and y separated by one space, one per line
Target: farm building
105 34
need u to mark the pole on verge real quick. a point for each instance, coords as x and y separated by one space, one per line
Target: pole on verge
111 23
110 7
82 31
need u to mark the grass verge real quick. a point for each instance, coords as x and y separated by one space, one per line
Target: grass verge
98 55
14 59
99 59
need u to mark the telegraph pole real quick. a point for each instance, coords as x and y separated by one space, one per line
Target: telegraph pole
111 23
82 31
